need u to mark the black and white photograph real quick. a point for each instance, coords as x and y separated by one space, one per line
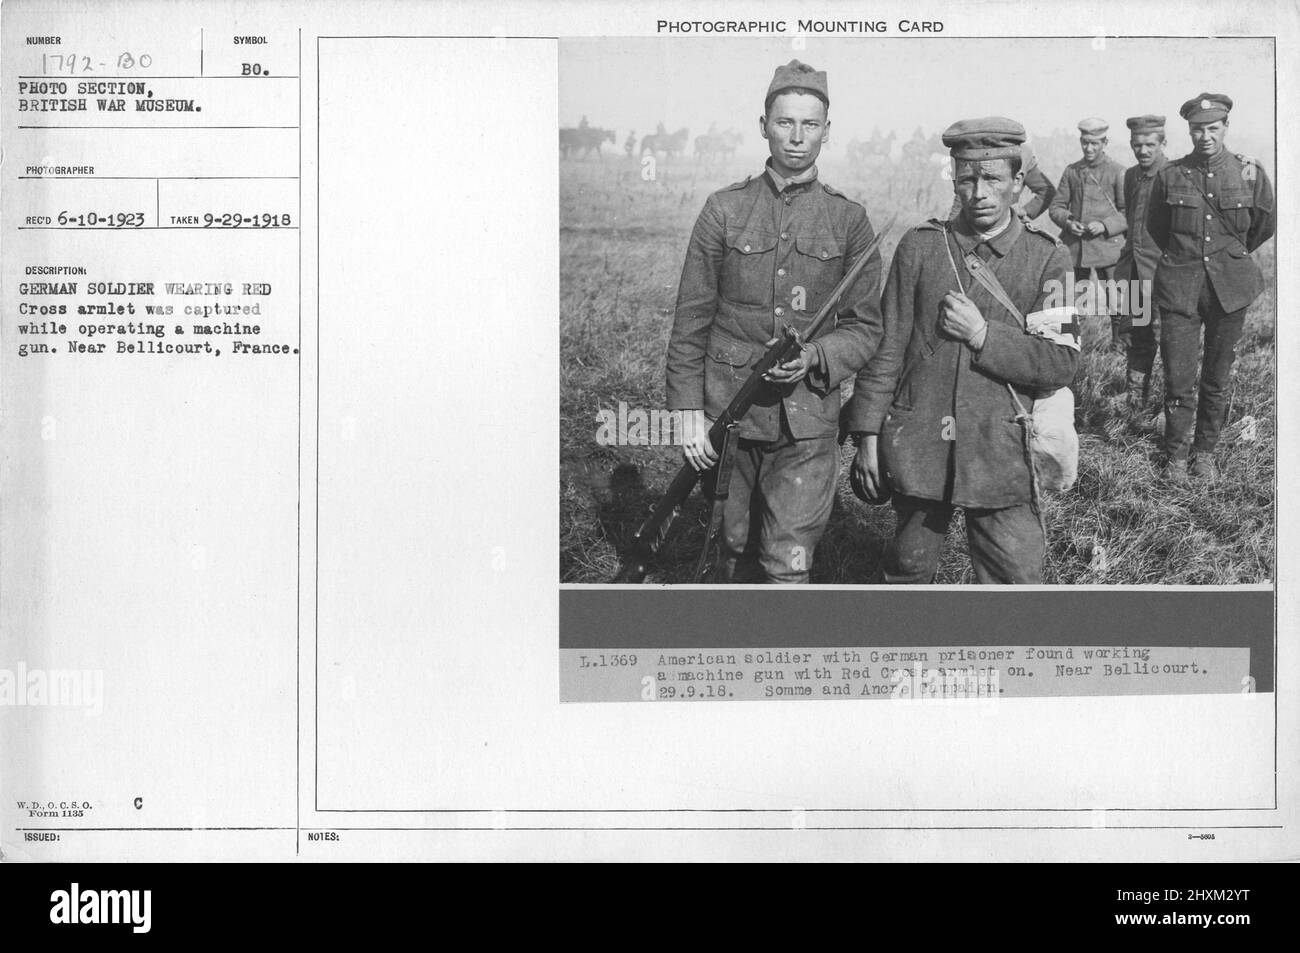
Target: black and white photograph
529 431
838 309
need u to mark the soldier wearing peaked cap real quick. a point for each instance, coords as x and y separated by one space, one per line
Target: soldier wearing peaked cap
932 412
1089 210
1141 254
1209 211
764 254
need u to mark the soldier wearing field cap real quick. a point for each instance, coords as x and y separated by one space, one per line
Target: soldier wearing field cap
765 253
1089 210
1209 211
931 413
1138 261
1038 185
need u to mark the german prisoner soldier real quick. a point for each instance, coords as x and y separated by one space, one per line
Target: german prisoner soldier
1089 210
1208 213
765 253
1141 255
1040 189
931 412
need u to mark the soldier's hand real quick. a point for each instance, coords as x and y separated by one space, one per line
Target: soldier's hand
696 448
791 372
864 475
1096 229
1076 228
959 318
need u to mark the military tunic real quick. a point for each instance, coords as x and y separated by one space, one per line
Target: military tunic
1207 217
1138 263
946 421
766 253
761 258
1141 254
1091 193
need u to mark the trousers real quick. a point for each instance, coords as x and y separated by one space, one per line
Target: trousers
1180 351
1119 329
1142 339
779 500
1006 545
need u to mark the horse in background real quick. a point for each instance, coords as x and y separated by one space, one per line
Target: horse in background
671 144
584 140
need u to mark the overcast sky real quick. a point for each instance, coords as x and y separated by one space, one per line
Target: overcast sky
901 83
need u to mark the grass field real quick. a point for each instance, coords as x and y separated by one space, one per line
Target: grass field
622 240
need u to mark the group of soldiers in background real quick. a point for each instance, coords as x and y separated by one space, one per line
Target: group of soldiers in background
966 332
1180 234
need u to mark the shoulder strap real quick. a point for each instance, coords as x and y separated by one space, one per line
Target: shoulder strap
985 276
982 273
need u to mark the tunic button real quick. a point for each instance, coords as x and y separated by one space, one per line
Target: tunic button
780 272
780 311
823 253
1207 238
785 236
1208 217
1209 195
747 247
1205 259
1211 174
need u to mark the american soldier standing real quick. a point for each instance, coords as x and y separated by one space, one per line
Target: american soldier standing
1089 210
1137 263
764 253
931 412
1209 211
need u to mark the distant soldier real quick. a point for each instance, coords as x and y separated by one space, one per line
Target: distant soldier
1089 210
933 412
765 253
582 123
1137 262
630 145
1209 211
1036 184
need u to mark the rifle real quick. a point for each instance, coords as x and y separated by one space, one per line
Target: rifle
649 538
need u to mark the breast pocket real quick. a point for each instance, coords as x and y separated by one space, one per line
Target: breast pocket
1184 212
819 265
747 270
1236 206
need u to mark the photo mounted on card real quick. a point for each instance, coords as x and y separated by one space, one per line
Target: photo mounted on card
842 351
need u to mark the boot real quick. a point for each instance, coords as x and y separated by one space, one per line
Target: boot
1175 471
1204 468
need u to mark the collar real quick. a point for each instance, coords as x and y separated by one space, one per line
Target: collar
1214 162
781 183
1160 163
1000 241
